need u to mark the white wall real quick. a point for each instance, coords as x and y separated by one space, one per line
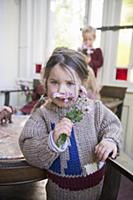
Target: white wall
9 16
25 40
35 35
9 31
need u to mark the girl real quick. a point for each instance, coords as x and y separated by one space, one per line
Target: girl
74 168
95 57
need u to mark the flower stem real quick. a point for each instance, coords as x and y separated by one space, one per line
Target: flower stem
61 140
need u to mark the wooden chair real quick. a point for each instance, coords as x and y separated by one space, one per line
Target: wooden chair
116 95
112 176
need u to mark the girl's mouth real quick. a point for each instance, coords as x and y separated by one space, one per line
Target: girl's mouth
64 100
63 97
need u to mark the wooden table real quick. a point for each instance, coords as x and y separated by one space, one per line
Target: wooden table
13 167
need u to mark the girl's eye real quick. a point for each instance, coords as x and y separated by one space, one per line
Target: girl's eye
70 84
54 82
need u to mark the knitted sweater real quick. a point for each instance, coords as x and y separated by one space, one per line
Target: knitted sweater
74 174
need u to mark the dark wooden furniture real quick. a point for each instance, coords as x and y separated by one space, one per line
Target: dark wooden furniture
122 165
113 98
13 167
113 91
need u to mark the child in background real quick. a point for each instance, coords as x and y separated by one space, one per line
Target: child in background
95 57
74 169
91 85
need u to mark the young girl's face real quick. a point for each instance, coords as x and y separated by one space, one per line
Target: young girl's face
66 83
88 39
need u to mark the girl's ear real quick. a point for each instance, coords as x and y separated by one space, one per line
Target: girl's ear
82 91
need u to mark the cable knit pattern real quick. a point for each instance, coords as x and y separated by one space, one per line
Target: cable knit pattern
97 124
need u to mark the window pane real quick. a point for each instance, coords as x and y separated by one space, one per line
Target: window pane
125 36
123 51
96 13
68 21
96 19
127 12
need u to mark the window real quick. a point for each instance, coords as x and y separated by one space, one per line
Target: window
117 43
123 62
69 18
96 10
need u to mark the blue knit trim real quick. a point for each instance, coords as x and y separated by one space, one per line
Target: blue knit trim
52 126
55 167
73 165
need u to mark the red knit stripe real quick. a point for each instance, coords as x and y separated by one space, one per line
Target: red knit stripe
78 183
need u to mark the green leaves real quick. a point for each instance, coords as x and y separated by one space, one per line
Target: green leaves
74 115
61 140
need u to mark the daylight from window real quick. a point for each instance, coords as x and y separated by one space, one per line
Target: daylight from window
125 38
68 21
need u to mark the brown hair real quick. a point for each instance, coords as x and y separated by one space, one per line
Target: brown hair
67 58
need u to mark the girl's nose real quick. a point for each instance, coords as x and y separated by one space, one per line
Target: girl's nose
62 89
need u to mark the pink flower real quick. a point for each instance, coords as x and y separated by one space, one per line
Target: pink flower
83 91
66 96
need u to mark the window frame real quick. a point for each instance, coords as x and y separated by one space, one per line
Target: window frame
109 42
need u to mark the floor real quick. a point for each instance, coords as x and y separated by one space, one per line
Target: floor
36 191
126 189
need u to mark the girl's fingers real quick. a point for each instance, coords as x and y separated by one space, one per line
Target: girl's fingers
114 153
63 129
105 155
63 126
101 153
67 121
98 148
104 149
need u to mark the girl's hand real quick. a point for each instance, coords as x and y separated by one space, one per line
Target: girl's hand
63 126
104 148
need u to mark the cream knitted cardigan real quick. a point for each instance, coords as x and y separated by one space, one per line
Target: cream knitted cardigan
97 124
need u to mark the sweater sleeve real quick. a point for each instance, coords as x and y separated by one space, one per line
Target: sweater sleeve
107 124
97 59
34 142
